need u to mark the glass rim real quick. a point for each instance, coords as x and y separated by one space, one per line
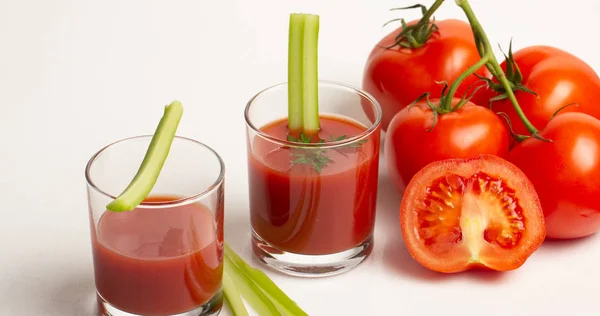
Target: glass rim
180 201
333 144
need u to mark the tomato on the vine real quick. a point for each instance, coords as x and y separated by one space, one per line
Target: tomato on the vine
560 80
565 173
397 75
413 140
459 214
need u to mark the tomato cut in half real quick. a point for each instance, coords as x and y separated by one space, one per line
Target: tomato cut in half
460 214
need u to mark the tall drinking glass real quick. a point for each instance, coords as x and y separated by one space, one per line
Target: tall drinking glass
165 257
312 204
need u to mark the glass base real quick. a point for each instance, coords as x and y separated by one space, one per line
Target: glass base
210 308
310 265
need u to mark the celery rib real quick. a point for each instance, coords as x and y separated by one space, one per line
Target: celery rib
295 60
283 302
249 290
156 155
232 295
310 76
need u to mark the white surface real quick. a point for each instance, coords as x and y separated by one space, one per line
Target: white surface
76 75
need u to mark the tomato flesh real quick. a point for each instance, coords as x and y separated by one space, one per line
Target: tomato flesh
458 214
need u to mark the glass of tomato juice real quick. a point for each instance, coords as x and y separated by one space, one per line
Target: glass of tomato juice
164 257
312 201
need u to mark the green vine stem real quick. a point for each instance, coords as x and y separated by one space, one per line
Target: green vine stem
483 47
485 50
432 9
446 105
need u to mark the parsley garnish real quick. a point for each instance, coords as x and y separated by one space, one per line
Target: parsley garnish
316 156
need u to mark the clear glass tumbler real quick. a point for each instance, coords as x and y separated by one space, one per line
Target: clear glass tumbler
165 257
312 205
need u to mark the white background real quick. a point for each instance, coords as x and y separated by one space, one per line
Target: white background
76 75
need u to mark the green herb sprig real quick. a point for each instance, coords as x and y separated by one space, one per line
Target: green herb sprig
316 157
309 156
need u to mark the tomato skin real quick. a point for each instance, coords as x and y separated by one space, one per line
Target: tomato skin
460 257
558 77
468 132
398 76
565 173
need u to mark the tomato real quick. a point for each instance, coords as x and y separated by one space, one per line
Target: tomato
398 76
468 132
460 214
565 173
559 79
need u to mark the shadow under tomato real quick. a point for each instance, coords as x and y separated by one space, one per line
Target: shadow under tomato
568 244
397 258
395 254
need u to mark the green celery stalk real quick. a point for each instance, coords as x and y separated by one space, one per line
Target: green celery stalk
295 61
249 290
310 74
156 155
268 287
232 295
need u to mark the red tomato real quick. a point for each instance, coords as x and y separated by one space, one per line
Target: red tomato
398 76
557 77
565 173
459 214
468 132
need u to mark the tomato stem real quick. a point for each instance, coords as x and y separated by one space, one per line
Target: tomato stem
430 11
485 50
414 36
447 102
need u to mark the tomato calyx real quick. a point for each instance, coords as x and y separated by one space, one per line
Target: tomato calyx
518 137
513 75
415 35
444 103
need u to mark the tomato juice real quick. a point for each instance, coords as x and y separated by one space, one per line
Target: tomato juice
299 209
158 261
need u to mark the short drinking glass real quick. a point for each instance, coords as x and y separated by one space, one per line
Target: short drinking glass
165 257
312 204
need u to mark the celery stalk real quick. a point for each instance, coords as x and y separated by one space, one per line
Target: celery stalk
295 60
249 290
310 76
268 287
156 155
232 295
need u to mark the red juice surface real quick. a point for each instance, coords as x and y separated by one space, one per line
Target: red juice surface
299 210
158 261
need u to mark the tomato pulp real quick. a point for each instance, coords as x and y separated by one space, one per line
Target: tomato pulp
299 210
160 261
459 214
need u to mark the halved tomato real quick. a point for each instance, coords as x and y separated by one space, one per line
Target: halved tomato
459 214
